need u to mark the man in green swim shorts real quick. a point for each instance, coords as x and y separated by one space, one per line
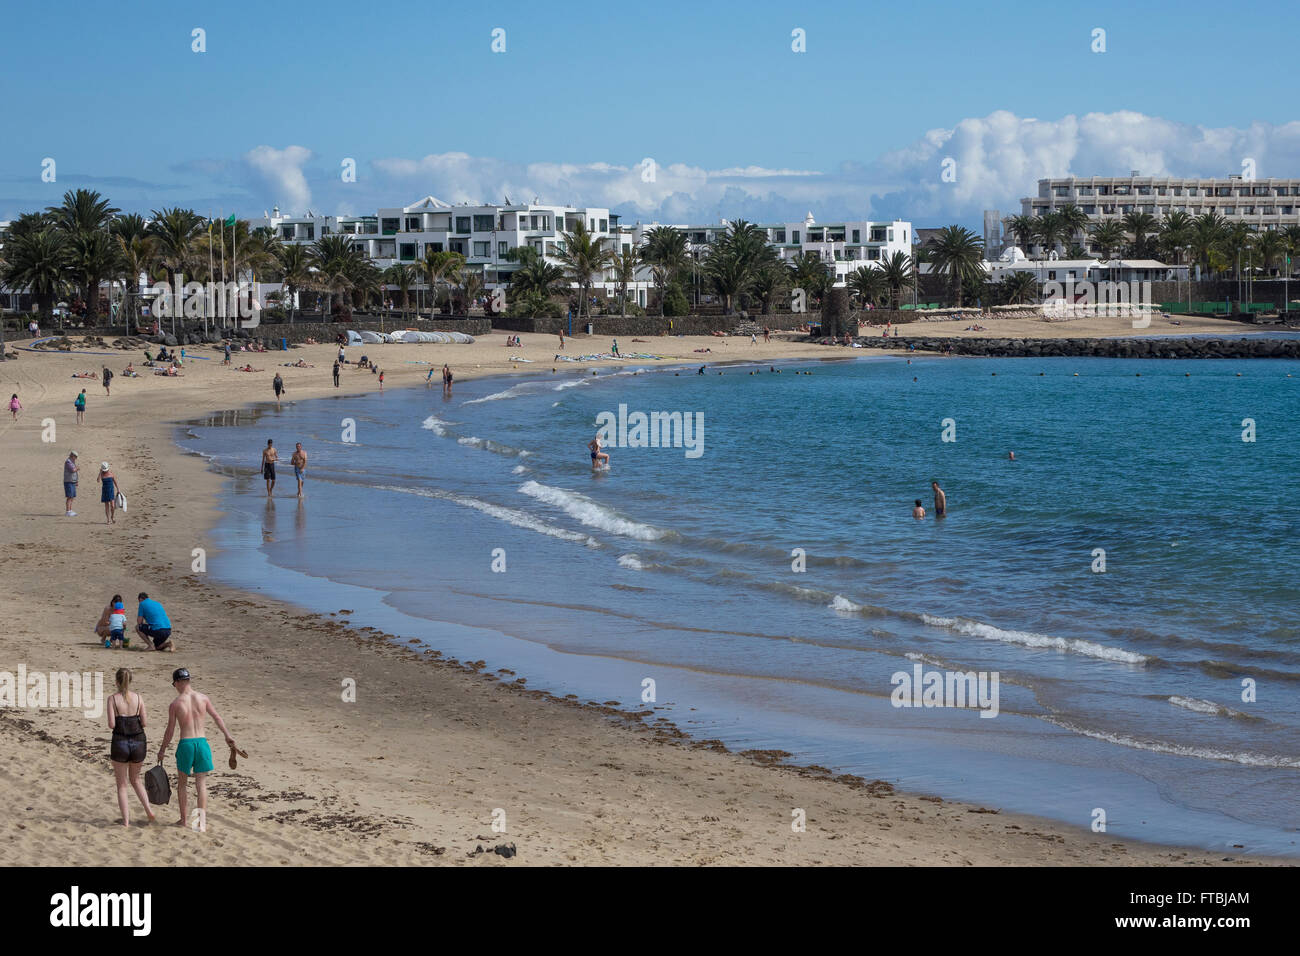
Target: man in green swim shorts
190 711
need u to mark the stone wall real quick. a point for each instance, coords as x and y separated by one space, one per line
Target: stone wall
687 324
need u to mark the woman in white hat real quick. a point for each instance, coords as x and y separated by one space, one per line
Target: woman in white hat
108 491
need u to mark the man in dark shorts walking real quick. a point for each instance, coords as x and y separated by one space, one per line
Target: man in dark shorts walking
269 457
152 622
107 380
336 373
277 383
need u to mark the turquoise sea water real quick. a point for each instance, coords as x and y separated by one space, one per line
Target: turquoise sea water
774 586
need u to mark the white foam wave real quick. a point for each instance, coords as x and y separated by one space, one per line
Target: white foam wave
588 512
570 384
1030 639
518 469
1205 707
631 562
436 425
841 603
514 391
1181 750
487 444
519 519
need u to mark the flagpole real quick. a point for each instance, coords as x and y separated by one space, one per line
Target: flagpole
223 260
206 299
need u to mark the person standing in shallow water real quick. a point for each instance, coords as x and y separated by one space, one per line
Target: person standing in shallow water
269 457
126 719
277 383
940 500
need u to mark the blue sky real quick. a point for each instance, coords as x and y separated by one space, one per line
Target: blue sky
737 123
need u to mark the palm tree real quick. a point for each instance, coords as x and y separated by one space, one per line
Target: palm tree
402 276
666 253
440 267
1270 246
1050 229
85 213
1024 228
364 281
1107 237
898 275
295 271
1074 222
471 285
734 261
583 258
334 259
868 284
959 254
1237 239
625 265
1291 239
809 273
38 262
1018 287
1138 224
1174 234
92 256
769 284
1205 237
176 232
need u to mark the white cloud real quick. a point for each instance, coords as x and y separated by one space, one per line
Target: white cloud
998 157
278 177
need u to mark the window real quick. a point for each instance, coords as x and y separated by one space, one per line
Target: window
1259 191
1090 210
795 240
604 225
311 231
560 245
412 223
286 232
1191 191
592 227
815 235
481 248
483 223
1270 211
502 248
433 247
462 223
406 251
873 253
878 234
778 235
1229 210
456 245
857 235
390 226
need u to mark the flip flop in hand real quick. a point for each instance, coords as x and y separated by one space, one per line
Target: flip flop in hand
233 751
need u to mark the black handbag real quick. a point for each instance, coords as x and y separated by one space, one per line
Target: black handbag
158 785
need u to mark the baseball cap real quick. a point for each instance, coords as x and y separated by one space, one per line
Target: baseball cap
119 606
181 673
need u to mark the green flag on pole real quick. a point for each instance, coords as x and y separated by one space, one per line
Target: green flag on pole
231 220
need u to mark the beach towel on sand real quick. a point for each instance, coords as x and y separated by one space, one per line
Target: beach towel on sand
158 785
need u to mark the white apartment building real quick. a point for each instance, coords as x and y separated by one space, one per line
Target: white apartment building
844 246
485 233
1260 203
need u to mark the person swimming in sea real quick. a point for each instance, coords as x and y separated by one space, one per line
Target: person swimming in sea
918 511
598 457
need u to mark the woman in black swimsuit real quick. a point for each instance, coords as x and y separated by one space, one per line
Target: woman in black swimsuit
126 718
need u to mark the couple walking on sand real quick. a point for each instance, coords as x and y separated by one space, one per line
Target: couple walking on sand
270 456
188 713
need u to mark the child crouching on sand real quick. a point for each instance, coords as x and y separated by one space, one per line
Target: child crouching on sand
117 627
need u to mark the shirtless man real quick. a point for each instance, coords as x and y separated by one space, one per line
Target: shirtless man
918 511
598 457
190 710
299 462
269 457
940 500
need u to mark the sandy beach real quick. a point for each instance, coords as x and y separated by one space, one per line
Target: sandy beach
417 769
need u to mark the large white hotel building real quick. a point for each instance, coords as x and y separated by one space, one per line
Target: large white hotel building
484 234
1260 203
